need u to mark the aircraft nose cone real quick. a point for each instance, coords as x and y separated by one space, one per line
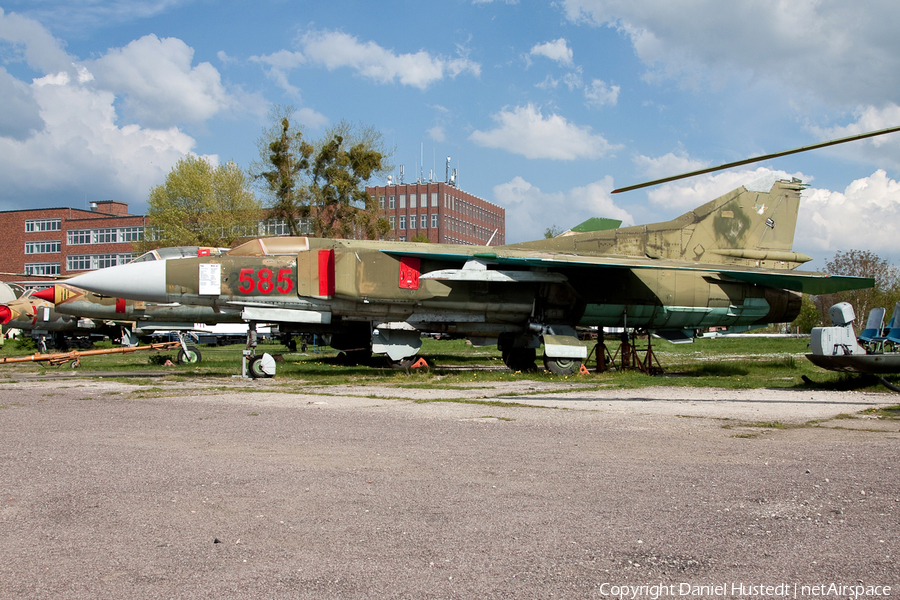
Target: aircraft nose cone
135 281
45 294
5 315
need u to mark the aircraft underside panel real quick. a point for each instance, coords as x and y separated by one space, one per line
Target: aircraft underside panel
673 317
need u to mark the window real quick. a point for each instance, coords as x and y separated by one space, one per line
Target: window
434 220
32 225
392 202
423 224
381 202
402 221
107 260
402 200
88 262
434 198
106 236
47 247
131 234
42 268
412 221
78 263
412 200
76 237
392 220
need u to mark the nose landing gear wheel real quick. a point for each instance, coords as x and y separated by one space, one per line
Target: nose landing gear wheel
192 356
255 368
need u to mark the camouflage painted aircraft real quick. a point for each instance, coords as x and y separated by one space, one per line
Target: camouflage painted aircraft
729 262
45 324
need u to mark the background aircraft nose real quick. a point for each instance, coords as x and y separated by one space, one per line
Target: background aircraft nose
45 294
5 314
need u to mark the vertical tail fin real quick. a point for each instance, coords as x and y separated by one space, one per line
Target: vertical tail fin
752 225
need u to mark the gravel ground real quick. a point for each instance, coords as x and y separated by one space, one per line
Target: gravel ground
233 489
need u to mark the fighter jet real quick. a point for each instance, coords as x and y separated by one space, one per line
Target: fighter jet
47 326
729 262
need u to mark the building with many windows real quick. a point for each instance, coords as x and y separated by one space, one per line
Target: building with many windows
440 212
62 241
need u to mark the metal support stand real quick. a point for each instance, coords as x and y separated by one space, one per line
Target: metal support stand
248 352
629 356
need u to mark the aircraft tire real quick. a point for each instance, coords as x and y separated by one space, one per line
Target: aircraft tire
562 366
354 357
254 368
192 356
520 359
403 363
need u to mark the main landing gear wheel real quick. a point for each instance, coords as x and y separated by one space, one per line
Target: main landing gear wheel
255 369
562 366
192 356
519 359
354 357
403 363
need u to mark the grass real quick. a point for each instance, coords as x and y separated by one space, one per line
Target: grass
725 363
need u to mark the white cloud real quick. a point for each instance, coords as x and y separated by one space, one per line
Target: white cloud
20 116
529 211
437 133
33 43
80 15
846 54
333 50
159 83
70 145
687 194
82 152
882 150
557 50
279 64
672 163
601 93
524 130
865 216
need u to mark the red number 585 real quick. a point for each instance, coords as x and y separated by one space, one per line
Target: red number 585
262 281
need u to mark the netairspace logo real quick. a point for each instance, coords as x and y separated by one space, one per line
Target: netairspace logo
744 590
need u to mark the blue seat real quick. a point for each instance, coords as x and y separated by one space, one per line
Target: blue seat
873 332
892 331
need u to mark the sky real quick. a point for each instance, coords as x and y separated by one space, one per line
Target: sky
544 107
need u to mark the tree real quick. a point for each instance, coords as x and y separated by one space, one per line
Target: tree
284 157
343 208
809 316
862 263
552 231
201 205
323 182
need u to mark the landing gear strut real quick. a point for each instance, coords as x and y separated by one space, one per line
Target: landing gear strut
253 366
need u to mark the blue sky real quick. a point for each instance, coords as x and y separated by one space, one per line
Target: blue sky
543 107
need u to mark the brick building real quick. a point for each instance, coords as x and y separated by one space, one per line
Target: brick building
442 212
62 241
